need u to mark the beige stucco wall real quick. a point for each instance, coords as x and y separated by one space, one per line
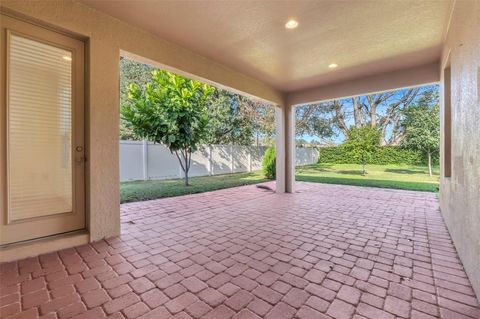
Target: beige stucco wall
460 194
106 38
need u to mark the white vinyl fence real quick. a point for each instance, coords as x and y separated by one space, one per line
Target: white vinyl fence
141 160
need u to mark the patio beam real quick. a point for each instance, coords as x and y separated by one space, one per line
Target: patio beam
410 77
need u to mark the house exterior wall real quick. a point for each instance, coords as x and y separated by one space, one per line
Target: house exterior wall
460 193
106 38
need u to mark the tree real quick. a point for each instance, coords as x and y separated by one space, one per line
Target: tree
170 110
313 120
381 110
422 127
300 142
228 121
236 119
131 72
233 118
362 143
262 117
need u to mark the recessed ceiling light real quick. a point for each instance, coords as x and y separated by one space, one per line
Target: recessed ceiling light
66 57
332 65
291 24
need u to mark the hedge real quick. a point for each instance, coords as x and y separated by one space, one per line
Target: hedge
384 156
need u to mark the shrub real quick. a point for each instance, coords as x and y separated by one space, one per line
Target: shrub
383 156
333 154
269 167
397 155
361 144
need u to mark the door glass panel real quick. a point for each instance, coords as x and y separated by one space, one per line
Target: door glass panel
39 129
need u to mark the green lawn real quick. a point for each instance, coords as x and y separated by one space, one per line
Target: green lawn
145 190
387 176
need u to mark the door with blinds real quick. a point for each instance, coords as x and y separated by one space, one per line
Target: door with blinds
41 132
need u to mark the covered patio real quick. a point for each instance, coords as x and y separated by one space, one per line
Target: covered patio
252 253
305 250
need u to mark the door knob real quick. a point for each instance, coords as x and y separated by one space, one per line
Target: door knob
79 148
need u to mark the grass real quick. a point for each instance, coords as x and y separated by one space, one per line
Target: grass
387 176
152 189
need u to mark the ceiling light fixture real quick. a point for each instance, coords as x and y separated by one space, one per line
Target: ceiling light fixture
291 24
332 65
66 57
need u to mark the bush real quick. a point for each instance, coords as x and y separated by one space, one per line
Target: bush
361 144
268 164
383 156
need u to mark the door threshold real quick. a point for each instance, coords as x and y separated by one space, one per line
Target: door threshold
39 246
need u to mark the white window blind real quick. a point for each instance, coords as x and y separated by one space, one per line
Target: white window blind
39 129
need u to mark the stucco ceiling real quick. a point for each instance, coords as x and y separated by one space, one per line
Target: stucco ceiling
362 37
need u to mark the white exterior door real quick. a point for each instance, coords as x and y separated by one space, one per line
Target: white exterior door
41 132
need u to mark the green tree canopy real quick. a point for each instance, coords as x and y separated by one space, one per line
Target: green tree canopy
228 121
362 143
233 118
171 110
313 120
131 72
239 120
422 126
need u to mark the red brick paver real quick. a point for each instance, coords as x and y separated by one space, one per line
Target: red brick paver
327 251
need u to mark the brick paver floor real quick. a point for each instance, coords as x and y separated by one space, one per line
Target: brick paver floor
327 251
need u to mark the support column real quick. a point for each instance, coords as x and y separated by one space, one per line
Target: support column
290 149
280 149
285 148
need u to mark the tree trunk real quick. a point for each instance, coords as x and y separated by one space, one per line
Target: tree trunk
373 116
184 159
340 118
188 157
429 163
357 113
373 101
186 179
363 164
